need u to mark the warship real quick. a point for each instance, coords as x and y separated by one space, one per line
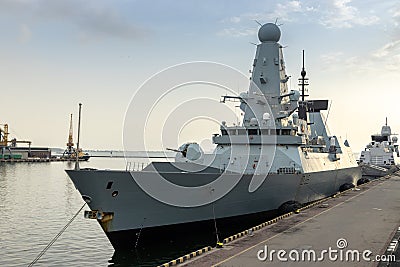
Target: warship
381 156
281 156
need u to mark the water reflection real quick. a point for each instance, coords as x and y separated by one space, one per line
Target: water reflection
38 199
186 241
150 256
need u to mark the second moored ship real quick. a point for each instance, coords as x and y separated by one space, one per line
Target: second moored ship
381 156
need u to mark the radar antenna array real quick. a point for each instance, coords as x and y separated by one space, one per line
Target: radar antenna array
303 81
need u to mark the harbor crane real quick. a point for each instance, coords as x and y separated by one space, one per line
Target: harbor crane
5 144
4 135
70 145
70 152
4 138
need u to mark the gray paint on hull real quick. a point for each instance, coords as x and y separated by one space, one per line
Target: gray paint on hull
132 207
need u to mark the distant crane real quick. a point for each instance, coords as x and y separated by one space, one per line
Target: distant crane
4 139
4 142
70 152
70 144
4 135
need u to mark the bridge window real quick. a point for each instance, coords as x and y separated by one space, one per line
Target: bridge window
252 131
241 131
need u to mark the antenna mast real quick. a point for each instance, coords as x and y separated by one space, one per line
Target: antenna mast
77 143
303 81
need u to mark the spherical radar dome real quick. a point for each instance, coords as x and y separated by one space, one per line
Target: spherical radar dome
269 33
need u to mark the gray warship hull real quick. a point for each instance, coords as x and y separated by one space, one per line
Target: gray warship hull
280 155
373 171
133 209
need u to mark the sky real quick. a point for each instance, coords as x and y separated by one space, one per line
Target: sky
56 54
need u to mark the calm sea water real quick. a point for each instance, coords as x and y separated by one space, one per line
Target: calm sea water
38 199
36 202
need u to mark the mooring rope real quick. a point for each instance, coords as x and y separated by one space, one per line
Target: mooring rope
215 224
138 235
56 237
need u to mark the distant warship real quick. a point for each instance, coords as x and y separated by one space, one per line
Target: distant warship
381 156
282 153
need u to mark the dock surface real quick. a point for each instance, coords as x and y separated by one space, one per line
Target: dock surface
35 160
366 219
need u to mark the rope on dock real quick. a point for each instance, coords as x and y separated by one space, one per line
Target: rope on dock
56 237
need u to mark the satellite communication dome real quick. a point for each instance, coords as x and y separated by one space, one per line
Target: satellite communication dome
269 33
253 121
266 116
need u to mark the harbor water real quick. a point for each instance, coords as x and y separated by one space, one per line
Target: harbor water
38 199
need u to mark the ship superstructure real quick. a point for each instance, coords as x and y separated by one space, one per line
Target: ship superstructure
382 154
281 153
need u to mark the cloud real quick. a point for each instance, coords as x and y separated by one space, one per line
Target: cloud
236 32
90 18
331 59
284 12
395 12
330 14
392 48
386 57
340 14
339 61
281 12
235 19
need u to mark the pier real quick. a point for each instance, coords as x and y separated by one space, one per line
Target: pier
33 160
365 219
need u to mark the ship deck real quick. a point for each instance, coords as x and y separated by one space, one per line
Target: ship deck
367 219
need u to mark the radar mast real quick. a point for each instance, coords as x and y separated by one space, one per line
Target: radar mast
303 81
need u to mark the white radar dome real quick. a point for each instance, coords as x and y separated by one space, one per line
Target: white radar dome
269 33
253 122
